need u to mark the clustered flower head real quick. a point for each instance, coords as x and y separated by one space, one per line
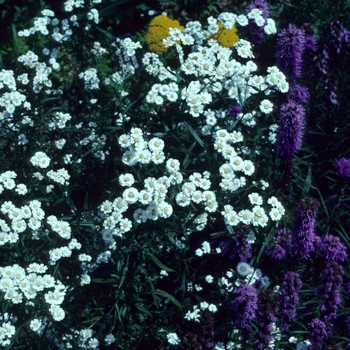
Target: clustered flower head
343 167
159 30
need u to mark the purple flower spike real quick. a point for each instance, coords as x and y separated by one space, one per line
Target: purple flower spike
343 165
304 240
329 290
298 94
290 129
289 297
244 306
291 43
333 249
318 333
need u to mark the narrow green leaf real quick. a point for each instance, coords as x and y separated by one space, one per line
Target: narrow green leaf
153 292
169 297
109 10
198 139
161 265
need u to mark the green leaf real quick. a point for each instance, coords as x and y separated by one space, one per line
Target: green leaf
161 265
153 292
198 139
169 297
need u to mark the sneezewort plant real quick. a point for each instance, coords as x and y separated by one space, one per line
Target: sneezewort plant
130 193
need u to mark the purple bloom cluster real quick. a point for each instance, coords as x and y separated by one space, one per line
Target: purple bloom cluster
318 333
290 129
304 240
291 43
289 297
333 249
331 280
298 94
266 314
343 167
235 110
280 245
256 33
244 305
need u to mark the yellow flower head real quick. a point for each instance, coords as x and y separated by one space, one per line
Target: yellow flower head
225 37
159 30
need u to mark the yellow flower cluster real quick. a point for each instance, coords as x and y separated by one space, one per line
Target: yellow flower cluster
159 30
225 37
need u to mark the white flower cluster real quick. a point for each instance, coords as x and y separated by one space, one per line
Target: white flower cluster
60 176
214 65
98 50
28 216
155 67
128 47
86 340
91 79
160 91
223 141
59 121
42 71
40 160
206 249
7 331
7 182
61 227
13 99
138 150
153 196
17 282
173 339
197 191
93 16
196 313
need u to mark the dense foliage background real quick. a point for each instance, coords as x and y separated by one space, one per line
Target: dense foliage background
125 282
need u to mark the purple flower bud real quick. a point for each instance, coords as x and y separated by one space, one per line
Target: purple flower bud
291 43
304 240
235 110
290 129
343 165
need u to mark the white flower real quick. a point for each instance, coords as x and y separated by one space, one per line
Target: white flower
266 106
173 339
212 308
209 279
243 269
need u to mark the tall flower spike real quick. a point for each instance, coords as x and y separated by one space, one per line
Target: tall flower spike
304 239
290 129
291 43
244 305
289 297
